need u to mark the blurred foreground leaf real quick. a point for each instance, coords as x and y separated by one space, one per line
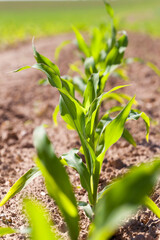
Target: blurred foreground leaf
41 228
120 200
57 180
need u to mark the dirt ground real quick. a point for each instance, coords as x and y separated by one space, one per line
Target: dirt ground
24 105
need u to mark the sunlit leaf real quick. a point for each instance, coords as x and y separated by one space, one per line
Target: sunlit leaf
115 128
136 114
54 115
109 9
127 136
59 49
91 90
42 59
154 68
122 198
81 43
74 161
6 230
21 183
39 221
57 180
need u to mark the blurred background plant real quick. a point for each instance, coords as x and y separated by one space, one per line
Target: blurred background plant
22 20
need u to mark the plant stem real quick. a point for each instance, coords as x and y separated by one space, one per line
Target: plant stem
152 206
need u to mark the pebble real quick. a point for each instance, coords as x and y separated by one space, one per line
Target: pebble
139 237
43 193
2 181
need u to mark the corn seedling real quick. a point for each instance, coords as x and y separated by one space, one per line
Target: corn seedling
96 134
103 52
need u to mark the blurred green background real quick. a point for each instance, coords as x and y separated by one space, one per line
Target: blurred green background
23 20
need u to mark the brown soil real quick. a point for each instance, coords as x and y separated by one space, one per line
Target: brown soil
24 105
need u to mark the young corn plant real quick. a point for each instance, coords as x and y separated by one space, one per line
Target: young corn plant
103 53
96 133
116 203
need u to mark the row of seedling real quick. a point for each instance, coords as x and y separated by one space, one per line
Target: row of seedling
101 56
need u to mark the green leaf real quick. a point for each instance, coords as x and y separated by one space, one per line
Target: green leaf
126 135
41 59
97 44
43 82
54 115
148 202
109 9
68 86
108 70
57 180
79 84
94 108
59 49
114 96
91 90
154 68
22 68
122 198
72 112
41 227
7 230
89 65
115 56
87 209
122 74
53 78
81 43
75 68
70 108
74 161
21 183
99 136
127 97
115 129
136 114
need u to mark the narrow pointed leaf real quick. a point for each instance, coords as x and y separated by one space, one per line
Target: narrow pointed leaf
20 184
57 181
128 137
87 209
74 161
115 128
122 198
94 108
115 56
22 68
71 111
38 219
7 230
42 59
81 43
154 68
54 115
79 84
148 202
136 114
89 65
53 78
59 49
109 9
91 90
